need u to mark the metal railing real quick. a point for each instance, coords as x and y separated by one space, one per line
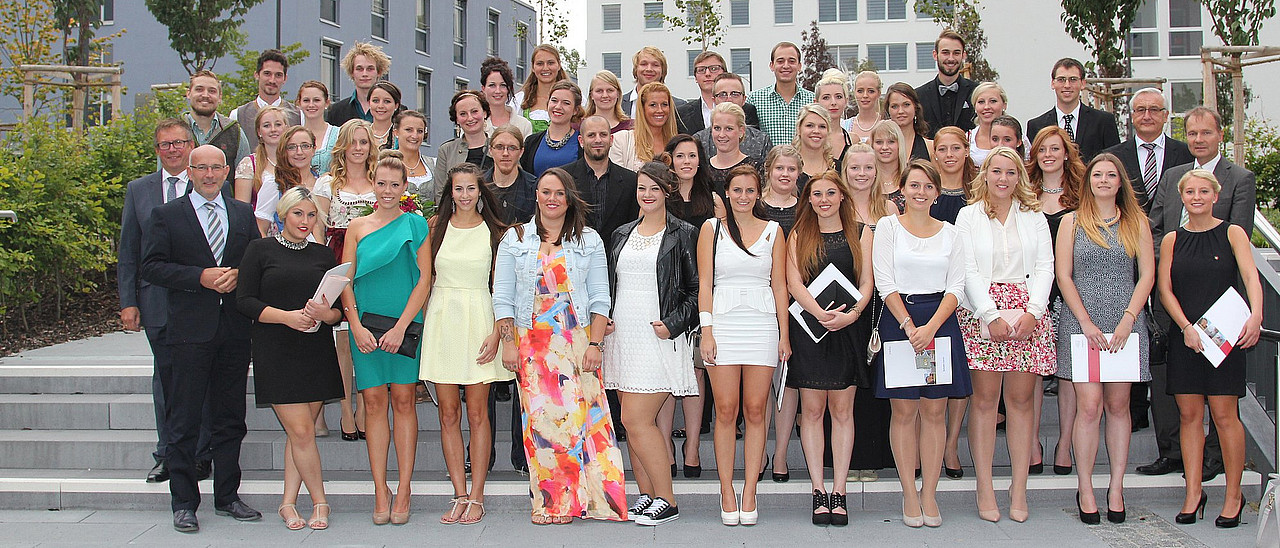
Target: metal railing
1262 364
7 214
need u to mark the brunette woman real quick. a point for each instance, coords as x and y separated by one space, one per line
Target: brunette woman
411 132
955 168
498 86
902 105
384 105
470 112
270 123
535 94
295 149
558 144
313 100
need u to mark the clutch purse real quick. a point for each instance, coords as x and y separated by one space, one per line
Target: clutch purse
379 325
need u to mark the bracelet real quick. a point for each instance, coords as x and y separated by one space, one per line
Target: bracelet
1184 328
1135 316
903 325
705 319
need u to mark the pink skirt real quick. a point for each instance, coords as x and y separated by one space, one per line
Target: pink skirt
1037 354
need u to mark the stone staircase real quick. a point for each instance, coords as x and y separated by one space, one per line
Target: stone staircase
77 431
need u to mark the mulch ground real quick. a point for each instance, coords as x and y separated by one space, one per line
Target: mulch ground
83 315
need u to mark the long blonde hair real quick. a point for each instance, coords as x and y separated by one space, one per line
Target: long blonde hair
338 166
821 112
611 79
1022 192
643 137
260 151
878 199
1132 219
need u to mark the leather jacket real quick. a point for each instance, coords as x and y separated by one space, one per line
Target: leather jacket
677 273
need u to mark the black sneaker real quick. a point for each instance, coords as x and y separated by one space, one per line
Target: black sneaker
638 507
658 513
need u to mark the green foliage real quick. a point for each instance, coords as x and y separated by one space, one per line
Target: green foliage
202 31
33 28
239 87
1102 26
1262 157
962 16
701 21
1238 22
816 55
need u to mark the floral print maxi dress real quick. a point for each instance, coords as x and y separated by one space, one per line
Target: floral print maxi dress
575 466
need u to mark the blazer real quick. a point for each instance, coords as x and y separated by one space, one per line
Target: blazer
175 252
515 275
612 200
143 195
689 116
1236 202
677 273
1037 259
962 115
1176 153
1095 130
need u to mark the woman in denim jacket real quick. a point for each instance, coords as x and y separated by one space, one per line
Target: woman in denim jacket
551 304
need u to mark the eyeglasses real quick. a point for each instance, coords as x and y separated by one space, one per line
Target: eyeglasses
504 148
728 94
296 147
208 167
166 145
708 68
1142 111
1068 79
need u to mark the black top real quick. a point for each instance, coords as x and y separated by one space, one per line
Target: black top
920 149
785 216
689 116
612 197
478 157
1095 130
518 200
346 109
839 360
677 273
946 208
720 177
1202 269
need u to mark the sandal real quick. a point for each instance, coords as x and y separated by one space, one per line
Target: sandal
453 516
465 519
563 520
294 523
319 522
543 519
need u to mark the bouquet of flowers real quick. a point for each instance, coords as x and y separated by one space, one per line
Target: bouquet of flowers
410 203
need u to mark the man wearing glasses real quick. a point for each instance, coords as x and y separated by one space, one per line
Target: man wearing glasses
1149 152
728 87
695 115
1092 130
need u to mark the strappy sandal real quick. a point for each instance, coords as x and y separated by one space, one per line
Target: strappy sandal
294 523
319 522
465 519
453 516
543 519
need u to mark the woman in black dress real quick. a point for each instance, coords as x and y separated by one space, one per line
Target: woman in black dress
827 373
295 366
1198 263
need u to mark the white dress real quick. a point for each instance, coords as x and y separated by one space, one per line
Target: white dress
744 313
635 359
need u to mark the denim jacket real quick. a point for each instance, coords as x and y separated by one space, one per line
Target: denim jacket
516 274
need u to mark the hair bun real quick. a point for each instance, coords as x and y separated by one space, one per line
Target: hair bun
665 157
391 153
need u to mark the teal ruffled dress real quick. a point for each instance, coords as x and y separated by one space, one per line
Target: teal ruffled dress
386 271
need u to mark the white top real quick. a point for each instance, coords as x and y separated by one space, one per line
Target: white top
268 197
347 205
519 121
740 279
982 266
928 265
1207 166
1007 266
623 150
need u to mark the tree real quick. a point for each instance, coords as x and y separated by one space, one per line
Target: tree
553 28
28 40
202 31
701 21
962 16
239 87
1236 23
1102 26
816 55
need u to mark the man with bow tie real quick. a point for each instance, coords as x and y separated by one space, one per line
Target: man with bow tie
945 98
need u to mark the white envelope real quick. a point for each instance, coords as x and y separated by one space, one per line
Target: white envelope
1092 365
331 286
903 367
1221 325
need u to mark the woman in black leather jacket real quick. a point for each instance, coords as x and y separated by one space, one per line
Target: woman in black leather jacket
653 279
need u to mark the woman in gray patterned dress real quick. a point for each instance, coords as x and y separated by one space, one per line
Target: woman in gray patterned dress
1097 247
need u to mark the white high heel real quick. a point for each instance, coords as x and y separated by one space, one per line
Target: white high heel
730 518
748 518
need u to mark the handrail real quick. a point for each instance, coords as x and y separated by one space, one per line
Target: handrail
8 214
1268 232
1269 274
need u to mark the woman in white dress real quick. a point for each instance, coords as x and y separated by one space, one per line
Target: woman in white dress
742 292
648 357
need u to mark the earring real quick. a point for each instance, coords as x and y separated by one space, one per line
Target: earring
453 207
479 206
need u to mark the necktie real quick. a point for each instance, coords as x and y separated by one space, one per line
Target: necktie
171 191
1149 178
954 87
214 232
1066 124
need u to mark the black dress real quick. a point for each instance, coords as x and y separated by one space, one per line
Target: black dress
1202 270
784 216
947 207
840 359
289 366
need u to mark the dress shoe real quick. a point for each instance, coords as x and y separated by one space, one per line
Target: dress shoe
502 391
204 470
1115 516
1160 467
184 521
1087 518
820 502
953 473
240 511
158 474
1224 522
837 501
1189 518
1210 471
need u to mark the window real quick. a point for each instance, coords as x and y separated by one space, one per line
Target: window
739 12
493 33
783 13
1184 43
887 57
1184 13
692 54
1186 37
522 56
378 19
886 10
924 57
653 15
921 15
422 34
1144 44
107 12
329 11
330 68
424 98
611 17
846 57
460 32
1186 95
1146 17
831 11
612 62
740 62
460 84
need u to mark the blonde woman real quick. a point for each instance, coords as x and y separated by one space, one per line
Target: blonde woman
989 102
655 125
728 125
533 95
270 123
891 158
866 94
832 92
813 126
604 99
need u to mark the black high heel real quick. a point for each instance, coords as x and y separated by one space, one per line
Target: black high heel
1037 468
1189 518
350 436
953 473
1115 516
1223 522
764 467
820 501
690 470
836 500
783 477
1087 518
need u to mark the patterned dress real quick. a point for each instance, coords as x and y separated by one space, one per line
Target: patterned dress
575 466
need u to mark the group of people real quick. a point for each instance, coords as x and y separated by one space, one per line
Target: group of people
613 259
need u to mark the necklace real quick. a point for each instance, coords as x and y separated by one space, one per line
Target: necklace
865 129
382 137
558 144
291 245
1052 190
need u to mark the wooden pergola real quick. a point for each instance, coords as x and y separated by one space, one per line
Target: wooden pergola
66 76
1104 91
1232 60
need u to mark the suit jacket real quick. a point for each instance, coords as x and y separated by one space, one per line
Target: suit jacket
1095 130
612 200
142 196
175 253
1175 154
1236 202
689 117
963 114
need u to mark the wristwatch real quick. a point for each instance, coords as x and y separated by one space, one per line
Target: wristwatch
599 345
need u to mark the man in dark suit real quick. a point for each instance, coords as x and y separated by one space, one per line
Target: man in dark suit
945 98
1236 204
1093 130
647 65
1149 153
192 247
695 115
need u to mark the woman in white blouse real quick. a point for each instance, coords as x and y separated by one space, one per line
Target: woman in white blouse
1008 336
919 271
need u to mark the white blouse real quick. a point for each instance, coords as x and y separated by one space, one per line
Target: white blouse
909 265
1007 265
989 252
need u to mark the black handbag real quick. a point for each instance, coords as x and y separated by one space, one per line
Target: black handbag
378 325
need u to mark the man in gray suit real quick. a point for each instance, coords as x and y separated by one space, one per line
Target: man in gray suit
1236 204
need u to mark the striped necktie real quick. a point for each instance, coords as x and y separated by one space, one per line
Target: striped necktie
214 232
1149 178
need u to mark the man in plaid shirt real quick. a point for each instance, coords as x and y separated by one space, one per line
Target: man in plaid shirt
779 104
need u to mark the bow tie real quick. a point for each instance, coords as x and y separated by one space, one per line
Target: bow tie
954 88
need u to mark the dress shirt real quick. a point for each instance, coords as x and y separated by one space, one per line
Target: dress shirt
1210 165
1075 119
1007 266
198 201
778 116
180 189
1142 155
706 113
909 265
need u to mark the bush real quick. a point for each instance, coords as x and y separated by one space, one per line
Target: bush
1262 157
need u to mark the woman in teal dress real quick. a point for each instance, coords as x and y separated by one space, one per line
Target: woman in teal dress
389 251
